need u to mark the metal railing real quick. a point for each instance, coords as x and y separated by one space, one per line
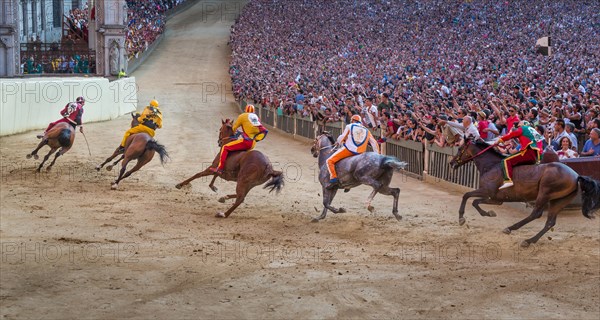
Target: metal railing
439 167
408 151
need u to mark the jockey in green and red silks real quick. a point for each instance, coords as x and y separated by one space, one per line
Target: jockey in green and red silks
530 150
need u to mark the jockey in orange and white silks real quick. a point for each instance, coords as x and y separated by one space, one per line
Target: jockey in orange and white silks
354 141
252 131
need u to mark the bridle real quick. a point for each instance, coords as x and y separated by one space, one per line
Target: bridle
318 143
230 138
459 160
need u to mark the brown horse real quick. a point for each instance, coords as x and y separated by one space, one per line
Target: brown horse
140 147
60 136
118 151
551 186
248 168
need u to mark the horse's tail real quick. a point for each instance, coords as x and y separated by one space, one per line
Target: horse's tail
162 152
590 196
64 138
276 182
389 162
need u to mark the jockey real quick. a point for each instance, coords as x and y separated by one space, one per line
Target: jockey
72 114
530 150
353 140
149 120
252 131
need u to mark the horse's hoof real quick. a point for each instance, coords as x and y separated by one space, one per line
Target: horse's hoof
213 188
341 210
525 244
506 231
346 190
178 186
315 220
491 213
108 168
28 156
35 157
398 217
222 200
220 215
98 168
38 170
371 209
114 186
461 221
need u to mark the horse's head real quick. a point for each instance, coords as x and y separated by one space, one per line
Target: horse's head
134 120
225 133
324 140
466 153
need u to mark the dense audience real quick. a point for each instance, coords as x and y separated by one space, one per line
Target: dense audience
146 23
417 69
78 21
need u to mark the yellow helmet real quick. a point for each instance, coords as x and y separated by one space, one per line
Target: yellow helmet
356 118
249 108
154 103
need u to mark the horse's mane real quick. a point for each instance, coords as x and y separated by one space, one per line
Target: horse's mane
328 135
482 144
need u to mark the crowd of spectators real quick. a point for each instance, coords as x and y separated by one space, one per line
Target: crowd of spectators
78 23
425 70
146 23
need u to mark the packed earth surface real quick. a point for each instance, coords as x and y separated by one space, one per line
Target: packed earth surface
74 248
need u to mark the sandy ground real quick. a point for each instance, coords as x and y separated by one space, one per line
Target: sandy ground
72 248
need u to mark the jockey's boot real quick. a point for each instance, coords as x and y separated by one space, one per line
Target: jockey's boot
333 183
39 136
507 184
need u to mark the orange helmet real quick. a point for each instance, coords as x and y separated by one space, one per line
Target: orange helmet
356 118
249 108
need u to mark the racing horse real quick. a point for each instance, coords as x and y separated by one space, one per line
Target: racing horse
60 136
248 168
551 186
140 147
369 168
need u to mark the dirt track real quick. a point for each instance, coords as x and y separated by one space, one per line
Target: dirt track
72 248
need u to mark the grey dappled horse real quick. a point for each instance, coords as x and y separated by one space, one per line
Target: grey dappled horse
369 168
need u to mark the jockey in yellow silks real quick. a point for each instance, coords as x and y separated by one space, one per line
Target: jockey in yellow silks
150 120
354 142
252 131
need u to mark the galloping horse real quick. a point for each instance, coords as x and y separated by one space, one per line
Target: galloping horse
248 168
369 168
551 185
140 147
60 136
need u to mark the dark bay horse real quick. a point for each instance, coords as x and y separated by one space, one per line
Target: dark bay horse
60 136
369 168
551 186
140 147
248 168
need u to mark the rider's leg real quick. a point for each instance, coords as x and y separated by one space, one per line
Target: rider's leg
50 126
236 145
137 129
333 159
528 157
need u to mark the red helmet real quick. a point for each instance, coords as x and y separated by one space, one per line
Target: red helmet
249 108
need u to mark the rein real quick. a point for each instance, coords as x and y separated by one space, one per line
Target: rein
475 156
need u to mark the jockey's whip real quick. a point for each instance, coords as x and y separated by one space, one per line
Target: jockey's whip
86 142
